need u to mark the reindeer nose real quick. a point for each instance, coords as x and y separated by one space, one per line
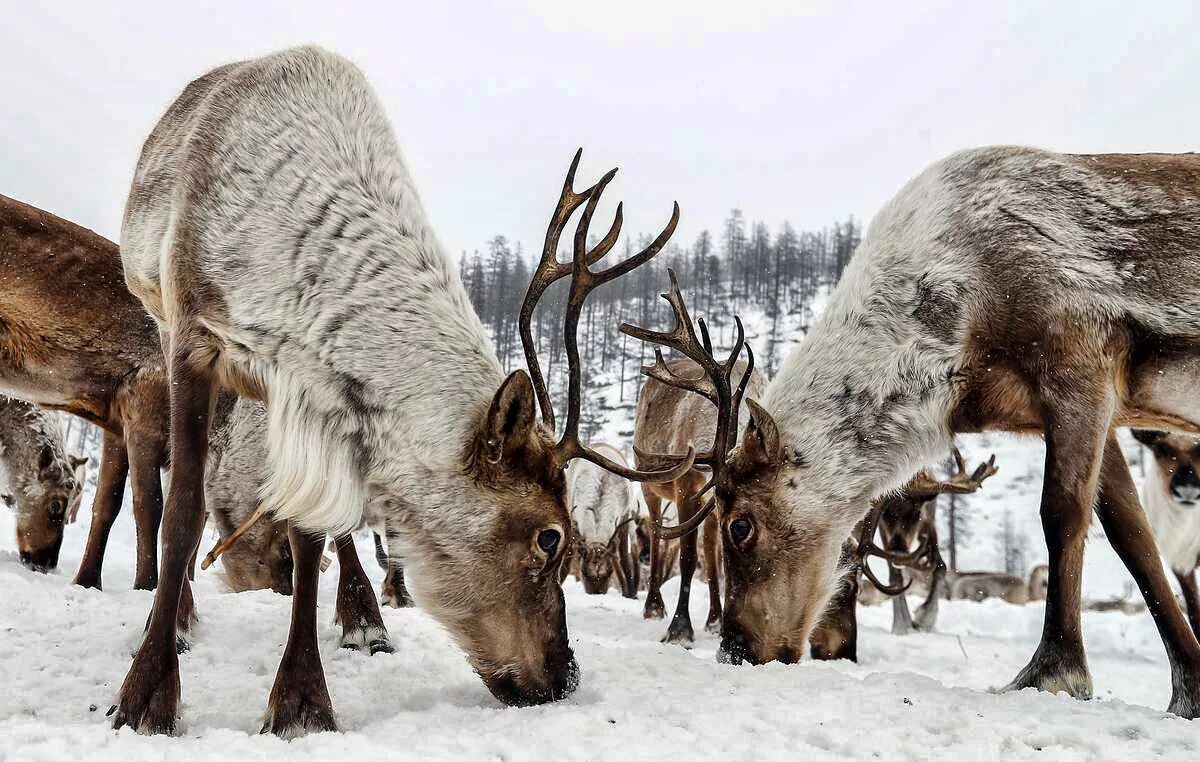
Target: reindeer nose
1186 494
41 560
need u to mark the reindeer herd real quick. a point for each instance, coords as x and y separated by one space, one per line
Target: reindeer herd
281 329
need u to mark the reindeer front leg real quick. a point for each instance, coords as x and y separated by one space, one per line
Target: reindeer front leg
927 613
145 458
110 491
299 701
655 608
1130 535
1076 424
357 610
149 697
902 623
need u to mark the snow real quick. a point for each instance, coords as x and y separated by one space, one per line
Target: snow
64 651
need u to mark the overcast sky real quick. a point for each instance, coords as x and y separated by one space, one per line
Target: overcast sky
799 111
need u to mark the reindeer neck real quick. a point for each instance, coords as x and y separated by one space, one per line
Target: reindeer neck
864 399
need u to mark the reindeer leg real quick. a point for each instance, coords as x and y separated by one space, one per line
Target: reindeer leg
357 610
149 697
635 564
680 630
393 592
145 457
299 701
712 562
655 608
902 623
626 566
1075 429
1191 597
1130 535
927 613
110 491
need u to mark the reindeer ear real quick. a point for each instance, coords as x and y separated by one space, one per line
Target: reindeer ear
77 461
510 419
760 441
1147 436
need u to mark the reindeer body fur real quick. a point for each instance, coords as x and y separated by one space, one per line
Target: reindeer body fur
325 289
599 499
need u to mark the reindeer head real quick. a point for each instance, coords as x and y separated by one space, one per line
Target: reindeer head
1178 459
43 501
261 559
783 569
513 625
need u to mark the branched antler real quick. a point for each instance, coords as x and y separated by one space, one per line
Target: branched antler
924 486
714 384
583 281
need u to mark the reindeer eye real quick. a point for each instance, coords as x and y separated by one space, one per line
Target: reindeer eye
57 507
740 530
548 540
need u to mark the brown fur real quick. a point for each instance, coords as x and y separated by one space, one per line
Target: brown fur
73 338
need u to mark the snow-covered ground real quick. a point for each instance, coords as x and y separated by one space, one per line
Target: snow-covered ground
64 652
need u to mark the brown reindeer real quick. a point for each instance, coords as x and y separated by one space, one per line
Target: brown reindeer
669 419
1171 497
908 531
73 338
1002 289
274 231
40 480
981 585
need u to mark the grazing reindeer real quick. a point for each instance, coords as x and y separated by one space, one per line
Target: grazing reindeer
73 338
1002 289
603 507
1171 497
979 586
261 557
669 419
274 232
908 530
40 479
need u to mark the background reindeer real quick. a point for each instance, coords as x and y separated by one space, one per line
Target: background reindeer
603 509
981 585
73 338
1170 495
669 419
274 232
1002 289
40 480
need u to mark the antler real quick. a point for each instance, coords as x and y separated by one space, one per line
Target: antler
714 384
583 281
923 486
868 548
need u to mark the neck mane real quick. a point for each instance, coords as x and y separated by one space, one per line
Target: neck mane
865 398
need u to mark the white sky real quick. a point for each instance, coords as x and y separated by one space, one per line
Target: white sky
807 111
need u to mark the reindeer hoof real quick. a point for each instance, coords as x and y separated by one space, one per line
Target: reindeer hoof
370 638
298 715
713 625
680 633
1185 694
148 698
1054 672
654 609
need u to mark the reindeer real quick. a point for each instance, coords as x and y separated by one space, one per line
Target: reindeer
73 338
981 585
256 553
275 234
669 418
1005 289
908 530
603 509
40 479
1170 496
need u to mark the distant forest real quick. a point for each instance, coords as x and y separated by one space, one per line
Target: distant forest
769 278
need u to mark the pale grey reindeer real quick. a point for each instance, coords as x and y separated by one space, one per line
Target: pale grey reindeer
274 232
1002 289
603 509
39 478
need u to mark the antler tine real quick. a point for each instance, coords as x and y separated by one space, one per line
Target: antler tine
923 486
548 270
570 448
643 256
736 402
682 336
884 588
684 527
705 339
